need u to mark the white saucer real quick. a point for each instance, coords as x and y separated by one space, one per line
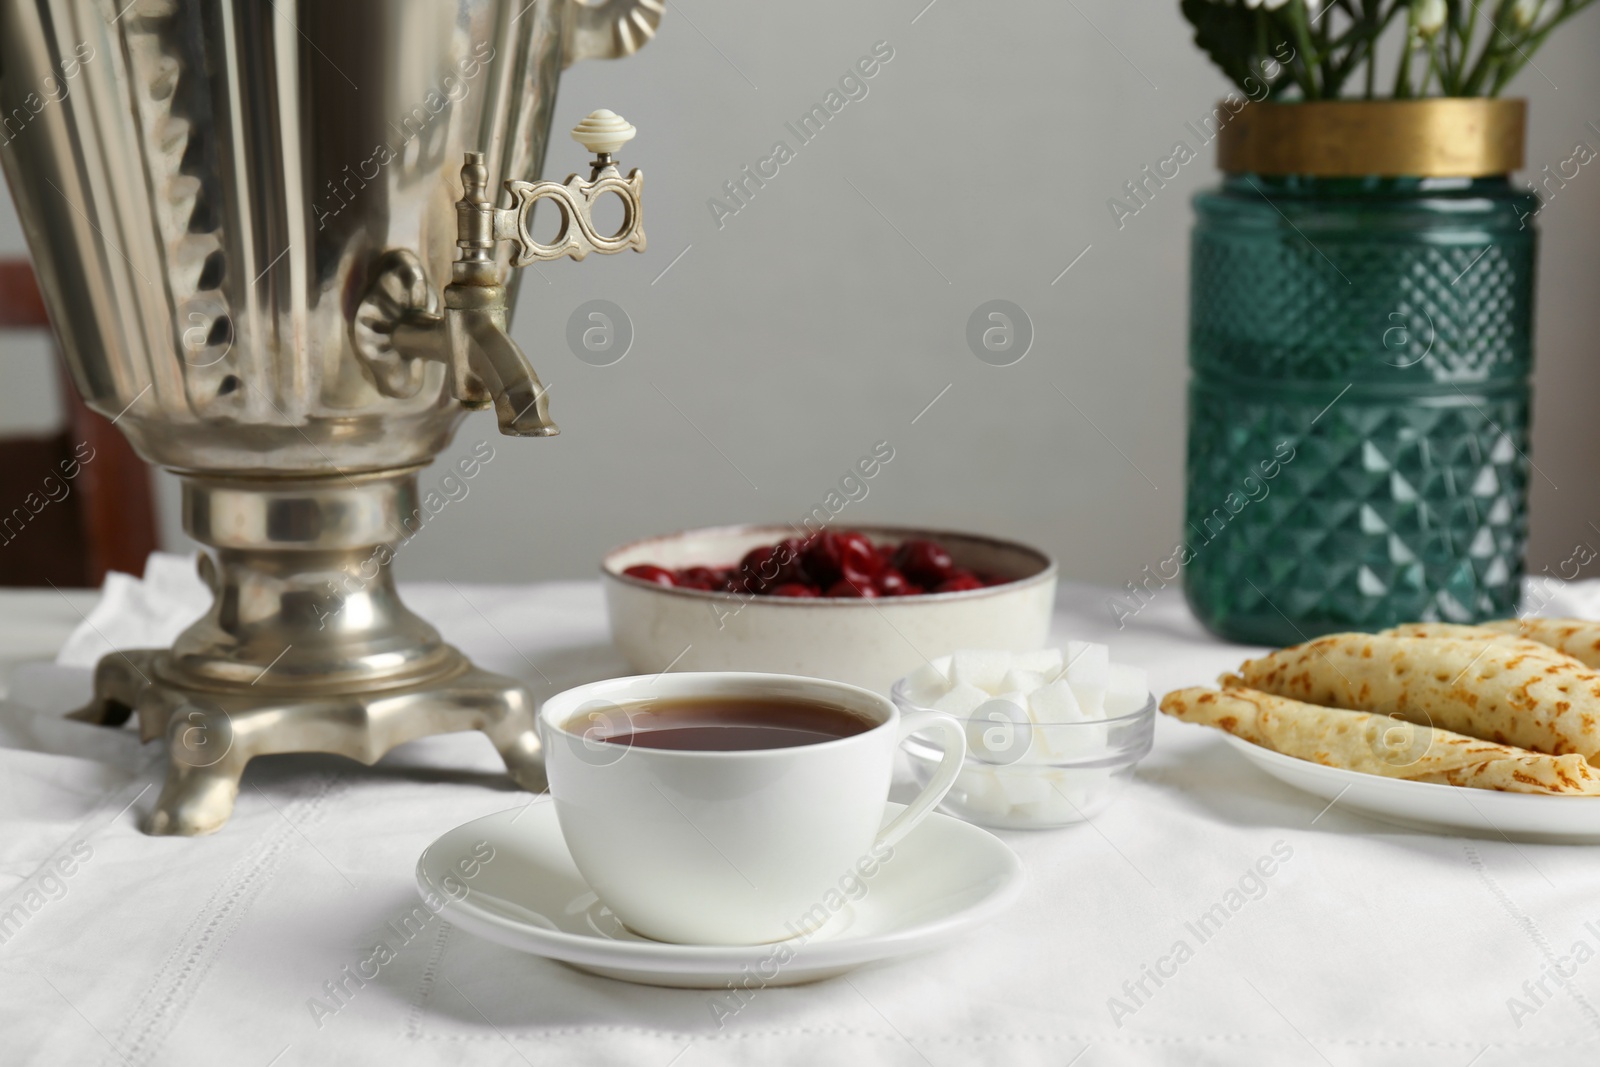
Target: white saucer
945 878
1479 811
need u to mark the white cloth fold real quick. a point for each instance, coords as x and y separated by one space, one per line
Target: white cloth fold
146 612
1211 916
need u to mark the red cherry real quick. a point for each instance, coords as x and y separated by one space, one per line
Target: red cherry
924 561
959 583
759 568
846 588
649 572
858 561
891 582
995 579
790 555
699 578
821 557
755 557
794 589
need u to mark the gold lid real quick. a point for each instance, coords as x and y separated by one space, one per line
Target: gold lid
1442 137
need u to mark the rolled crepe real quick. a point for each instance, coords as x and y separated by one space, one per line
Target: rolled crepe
1578 638
1380 745
1572 637
1514 692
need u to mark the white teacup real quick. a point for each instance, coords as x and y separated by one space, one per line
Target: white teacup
733 847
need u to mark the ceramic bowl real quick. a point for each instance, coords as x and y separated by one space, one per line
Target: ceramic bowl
865 642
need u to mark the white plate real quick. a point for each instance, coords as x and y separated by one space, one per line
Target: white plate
1426 805
945 878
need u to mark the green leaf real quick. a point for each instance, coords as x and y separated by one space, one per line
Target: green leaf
1226 33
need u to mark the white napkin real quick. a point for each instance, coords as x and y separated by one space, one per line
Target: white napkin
139 613
1545 596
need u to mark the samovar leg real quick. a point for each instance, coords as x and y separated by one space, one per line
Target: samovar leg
509 722
194 800
212 736
119 679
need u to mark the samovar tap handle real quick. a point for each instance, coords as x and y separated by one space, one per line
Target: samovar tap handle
470 337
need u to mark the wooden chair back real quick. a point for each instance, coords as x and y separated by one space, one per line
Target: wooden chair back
74 504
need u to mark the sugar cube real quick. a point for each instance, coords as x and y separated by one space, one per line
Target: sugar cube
1000 731
1088 661
1082 741
1041 745
1055 702
1091 698
1074 796
977 788
980 667
961 700
1089 674
1023 681
1045 661
1050 705
1022 784
927 684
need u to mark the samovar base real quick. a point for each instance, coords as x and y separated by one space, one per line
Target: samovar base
307 646
213 734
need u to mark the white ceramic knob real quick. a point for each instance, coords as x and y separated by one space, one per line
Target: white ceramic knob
603 131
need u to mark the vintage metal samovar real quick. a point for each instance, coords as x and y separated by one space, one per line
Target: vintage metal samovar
269 236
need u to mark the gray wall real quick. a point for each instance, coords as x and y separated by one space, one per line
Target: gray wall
832 308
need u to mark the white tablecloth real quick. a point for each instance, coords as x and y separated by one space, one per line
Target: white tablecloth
1366 944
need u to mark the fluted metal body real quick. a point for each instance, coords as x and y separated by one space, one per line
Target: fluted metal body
207 185
249 223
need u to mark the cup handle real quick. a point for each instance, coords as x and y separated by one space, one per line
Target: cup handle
955 752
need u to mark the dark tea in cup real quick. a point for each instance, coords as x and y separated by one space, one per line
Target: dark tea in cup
718 724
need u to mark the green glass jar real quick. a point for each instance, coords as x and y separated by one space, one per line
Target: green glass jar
1360 351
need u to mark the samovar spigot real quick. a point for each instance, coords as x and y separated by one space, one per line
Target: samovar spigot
485 365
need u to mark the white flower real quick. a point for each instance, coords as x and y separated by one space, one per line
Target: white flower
1430 15
1312 6
1525 11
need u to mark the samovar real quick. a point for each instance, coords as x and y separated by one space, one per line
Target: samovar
276 252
